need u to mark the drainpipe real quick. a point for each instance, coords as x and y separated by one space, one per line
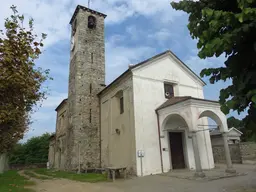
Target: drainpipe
160 146
100 131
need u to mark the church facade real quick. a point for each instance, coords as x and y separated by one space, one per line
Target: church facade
151 119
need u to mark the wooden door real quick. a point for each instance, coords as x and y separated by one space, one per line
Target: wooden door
177 154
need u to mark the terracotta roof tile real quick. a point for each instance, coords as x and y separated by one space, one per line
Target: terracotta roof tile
175 100
62 102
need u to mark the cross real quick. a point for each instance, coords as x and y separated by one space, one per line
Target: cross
89 3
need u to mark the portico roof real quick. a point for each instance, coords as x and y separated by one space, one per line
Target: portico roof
175 100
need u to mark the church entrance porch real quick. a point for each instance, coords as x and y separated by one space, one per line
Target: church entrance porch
176 150
186 115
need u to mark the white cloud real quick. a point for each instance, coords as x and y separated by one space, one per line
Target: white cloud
54 100
126 55
197 64
52 17
41 116
161 35
118 57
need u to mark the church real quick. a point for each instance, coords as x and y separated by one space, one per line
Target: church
152 119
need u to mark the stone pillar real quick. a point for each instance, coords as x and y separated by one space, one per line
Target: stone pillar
199 171
227 154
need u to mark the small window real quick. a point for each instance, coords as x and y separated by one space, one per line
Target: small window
90 117
168 90
121 105
91 57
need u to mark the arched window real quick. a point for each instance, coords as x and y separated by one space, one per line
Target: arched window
91 22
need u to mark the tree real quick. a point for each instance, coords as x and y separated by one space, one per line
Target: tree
246 128
35 150
227 27
20 80
234 122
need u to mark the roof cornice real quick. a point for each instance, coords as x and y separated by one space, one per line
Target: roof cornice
85 9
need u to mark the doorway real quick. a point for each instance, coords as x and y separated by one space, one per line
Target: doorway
177 153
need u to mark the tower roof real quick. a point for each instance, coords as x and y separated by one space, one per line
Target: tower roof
85 9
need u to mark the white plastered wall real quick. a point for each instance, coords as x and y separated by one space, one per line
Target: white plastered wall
148 93
118 150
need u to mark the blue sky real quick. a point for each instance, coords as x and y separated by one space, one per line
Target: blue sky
135 30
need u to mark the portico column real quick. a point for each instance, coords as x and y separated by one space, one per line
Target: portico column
199 171
227 154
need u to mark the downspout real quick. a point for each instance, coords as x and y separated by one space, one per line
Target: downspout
100 129
160 146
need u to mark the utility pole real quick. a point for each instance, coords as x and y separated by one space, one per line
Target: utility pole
89 3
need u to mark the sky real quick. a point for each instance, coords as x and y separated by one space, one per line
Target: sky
135 30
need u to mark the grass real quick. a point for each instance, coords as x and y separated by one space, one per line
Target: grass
84 177
31 174
12 181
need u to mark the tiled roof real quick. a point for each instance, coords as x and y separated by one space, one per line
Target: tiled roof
172 101
175 100
62 102
86 9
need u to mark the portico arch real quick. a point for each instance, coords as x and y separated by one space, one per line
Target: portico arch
175 130
179 118
221 121
183 114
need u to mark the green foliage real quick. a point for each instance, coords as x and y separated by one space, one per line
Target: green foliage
84 177
35 150
234 122
12 181
20 80
227 27
246 128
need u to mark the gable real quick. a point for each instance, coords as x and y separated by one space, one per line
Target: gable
234 132
168 67
136 69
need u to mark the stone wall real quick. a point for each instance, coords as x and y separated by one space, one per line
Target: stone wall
86 80
219 153
239 152
248 150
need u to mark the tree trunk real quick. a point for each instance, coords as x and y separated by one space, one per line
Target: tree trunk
3 162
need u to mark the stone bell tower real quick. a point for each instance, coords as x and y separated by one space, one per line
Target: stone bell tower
86 79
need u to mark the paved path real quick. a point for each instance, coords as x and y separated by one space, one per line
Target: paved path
156 183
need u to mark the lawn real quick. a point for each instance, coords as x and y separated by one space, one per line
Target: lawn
84 177
12 181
